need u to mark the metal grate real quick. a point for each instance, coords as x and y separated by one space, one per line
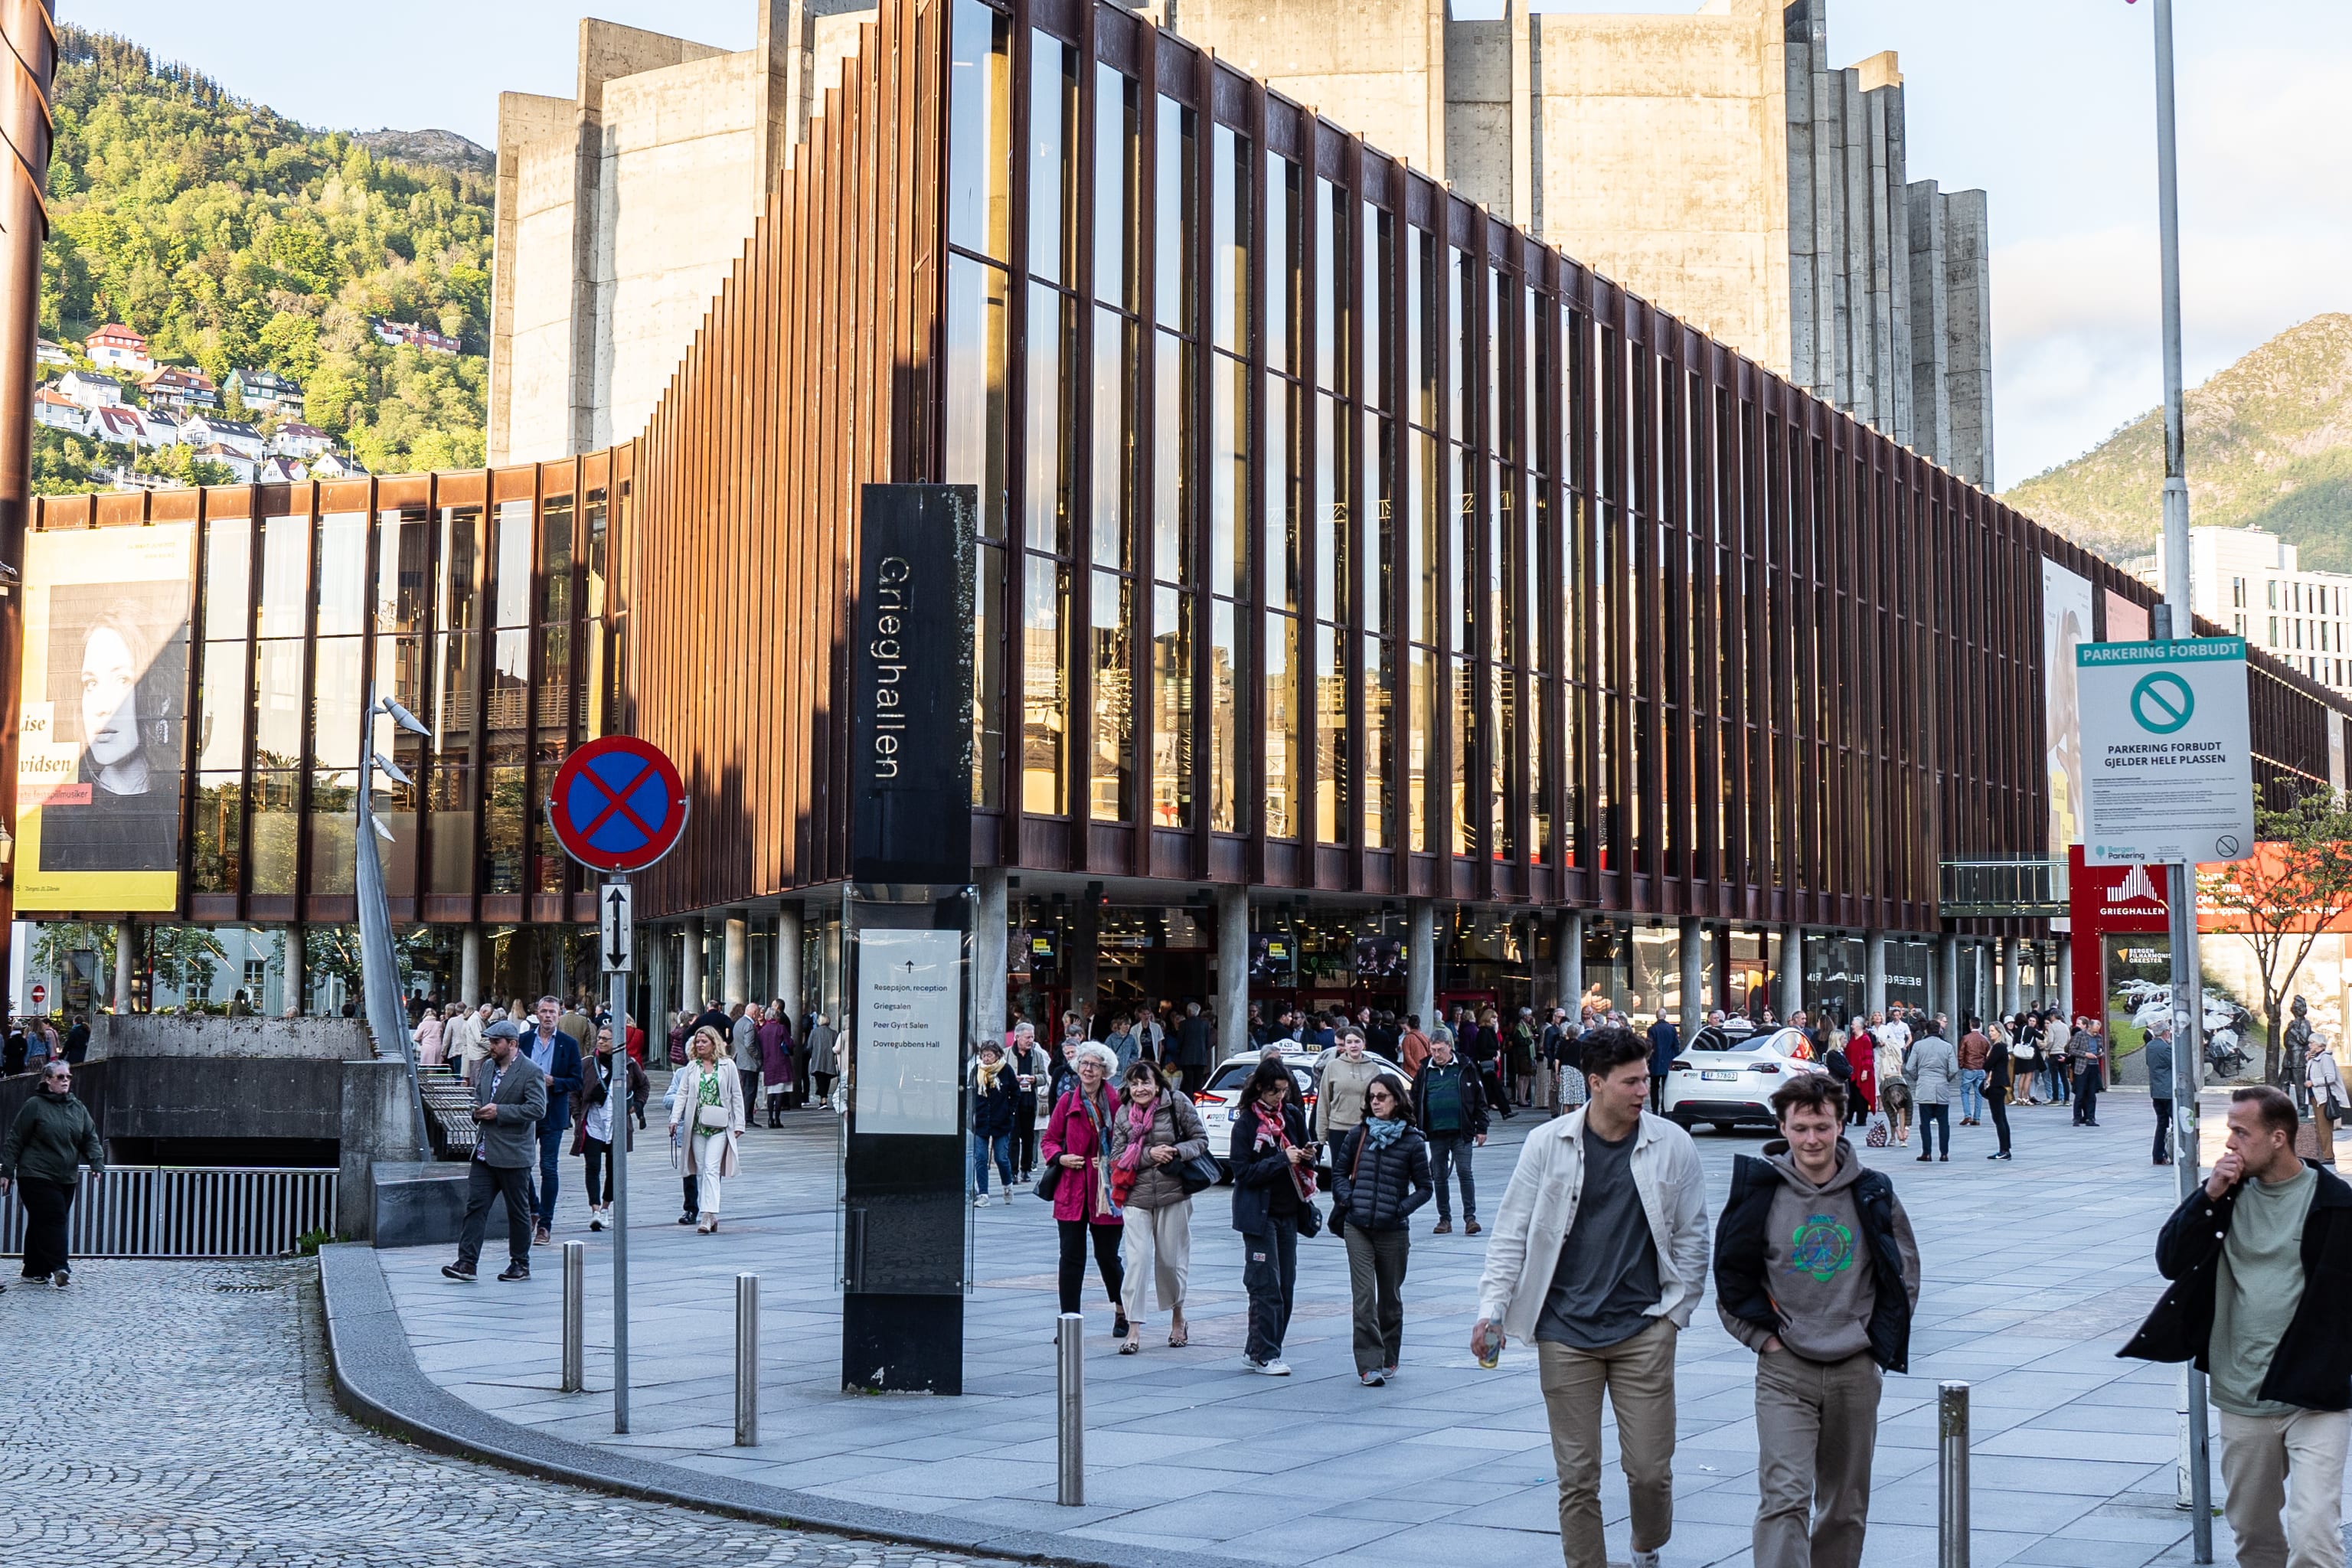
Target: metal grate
155 1211
1996 888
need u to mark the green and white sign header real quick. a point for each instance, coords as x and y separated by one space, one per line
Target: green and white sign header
2168 765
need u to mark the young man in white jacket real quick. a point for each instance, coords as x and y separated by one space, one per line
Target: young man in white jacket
1596 1258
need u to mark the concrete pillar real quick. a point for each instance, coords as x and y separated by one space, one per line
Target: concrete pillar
1421 959
1947 969
690 971
2011 1001
1568 941
788 964
296 998
1232 986
1874 973
735 960
126 962
1692 1010
1792 971
991 933
469 965
1085 958
658 984
2065 997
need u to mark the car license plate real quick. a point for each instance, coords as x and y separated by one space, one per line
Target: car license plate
1720 1078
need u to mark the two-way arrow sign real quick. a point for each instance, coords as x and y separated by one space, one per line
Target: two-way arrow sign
615 935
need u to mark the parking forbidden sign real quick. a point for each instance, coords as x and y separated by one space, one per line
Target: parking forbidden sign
2166 753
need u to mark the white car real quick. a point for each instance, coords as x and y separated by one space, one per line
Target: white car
1733 1088
1219 1098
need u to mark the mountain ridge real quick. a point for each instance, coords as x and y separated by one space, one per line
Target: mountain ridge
2269 446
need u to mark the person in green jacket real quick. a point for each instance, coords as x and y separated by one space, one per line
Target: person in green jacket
53 1134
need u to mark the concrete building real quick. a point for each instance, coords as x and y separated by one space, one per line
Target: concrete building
1717 162
621 209
2250 582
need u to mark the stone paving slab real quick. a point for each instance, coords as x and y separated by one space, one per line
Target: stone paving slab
2035 1272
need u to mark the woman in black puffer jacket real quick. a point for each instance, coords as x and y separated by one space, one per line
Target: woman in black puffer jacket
1382 1175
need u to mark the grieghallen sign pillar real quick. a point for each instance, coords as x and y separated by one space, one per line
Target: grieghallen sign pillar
906 1226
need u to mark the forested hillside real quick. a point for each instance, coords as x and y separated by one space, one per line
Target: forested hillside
2270 445
234 237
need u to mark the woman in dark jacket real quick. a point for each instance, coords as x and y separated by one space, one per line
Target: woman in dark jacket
1274 1186
52 1136
1381 1176
995 1087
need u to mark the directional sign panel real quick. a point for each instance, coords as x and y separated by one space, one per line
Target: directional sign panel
617 804
615 933
2166 751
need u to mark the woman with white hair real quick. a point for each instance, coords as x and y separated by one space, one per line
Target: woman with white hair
706 1117
1076 1147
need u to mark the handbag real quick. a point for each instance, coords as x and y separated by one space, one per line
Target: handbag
711 1116
1879 1135
1046 1185
1199 1173
2022 1051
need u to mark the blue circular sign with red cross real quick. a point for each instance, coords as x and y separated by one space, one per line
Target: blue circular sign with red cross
617 804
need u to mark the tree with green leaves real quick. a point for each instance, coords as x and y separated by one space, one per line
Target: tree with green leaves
2298 882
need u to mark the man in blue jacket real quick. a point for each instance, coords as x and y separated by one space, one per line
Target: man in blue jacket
557 1056
1665 1041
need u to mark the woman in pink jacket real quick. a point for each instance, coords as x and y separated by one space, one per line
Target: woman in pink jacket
1077 1144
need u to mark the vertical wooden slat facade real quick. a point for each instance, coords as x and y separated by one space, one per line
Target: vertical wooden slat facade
1785 666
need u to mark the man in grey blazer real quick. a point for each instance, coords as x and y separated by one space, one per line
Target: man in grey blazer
509 1099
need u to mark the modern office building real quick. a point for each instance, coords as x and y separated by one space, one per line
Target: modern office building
1718 164
1375 603
2251 582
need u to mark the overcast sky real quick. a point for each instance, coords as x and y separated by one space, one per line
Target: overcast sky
2049 105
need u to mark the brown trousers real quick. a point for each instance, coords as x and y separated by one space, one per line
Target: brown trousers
1638 1374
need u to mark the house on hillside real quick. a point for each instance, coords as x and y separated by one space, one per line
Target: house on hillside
203 430
181 391
163 430
296 439
59 412
266 392
116 347
86 390
48 353
123 426
414 336
336 466
241 465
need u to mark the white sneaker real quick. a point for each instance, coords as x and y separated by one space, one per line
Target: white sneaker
1008 1194
1646 1560
980 1201
1272 1368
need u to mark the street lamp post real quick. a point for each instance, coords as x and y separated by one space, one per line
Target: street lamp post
2187 1000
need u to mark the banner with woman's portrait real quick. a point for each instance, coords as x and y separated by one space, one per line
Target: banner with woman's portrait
103 744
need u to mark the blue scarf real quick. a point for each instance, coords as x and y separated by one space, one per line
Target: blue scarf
1383 1130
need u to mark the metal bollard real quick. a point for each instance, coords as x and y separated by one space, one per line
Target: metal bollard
1070 1419
575 1316
1952 1475
747 1361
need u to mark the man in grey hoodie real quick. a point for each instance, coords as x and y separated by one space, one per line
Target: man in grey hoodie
1816 1270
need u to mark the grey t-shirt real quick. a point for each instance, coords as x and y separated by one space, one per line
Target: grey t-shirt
1607 1276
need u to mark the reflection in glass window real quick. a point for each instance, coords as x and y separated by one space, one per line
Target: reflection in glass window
1177 207
979 130
1171 424
987 679
1379 672
1419 743
1171 716
278 704
335 703
510 551
978 314
285 576
1229 239
1109 636
228 576
1052 165
343 573
1116 173
1045 488
1113 453
275 824
1332 758
1282 729
1043 698
1224 718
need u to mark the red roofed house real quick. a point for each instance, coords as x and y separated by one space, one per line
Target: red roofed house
116 347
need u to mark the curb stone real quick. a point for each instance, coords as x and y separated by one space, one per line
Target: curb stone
378 1383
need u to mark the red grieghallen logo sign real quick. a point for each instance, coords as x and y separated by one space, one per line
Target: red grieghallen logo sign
2116 899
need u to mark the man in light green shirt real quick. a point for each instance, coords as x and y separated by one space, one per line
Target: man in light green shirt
2276 1350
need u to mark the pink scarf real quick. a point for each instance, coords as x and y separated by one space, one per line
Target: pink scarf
1271 1131
1127 1169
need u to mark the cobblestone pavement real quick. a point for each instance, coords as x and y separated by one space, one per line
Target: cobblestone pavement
163 1414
